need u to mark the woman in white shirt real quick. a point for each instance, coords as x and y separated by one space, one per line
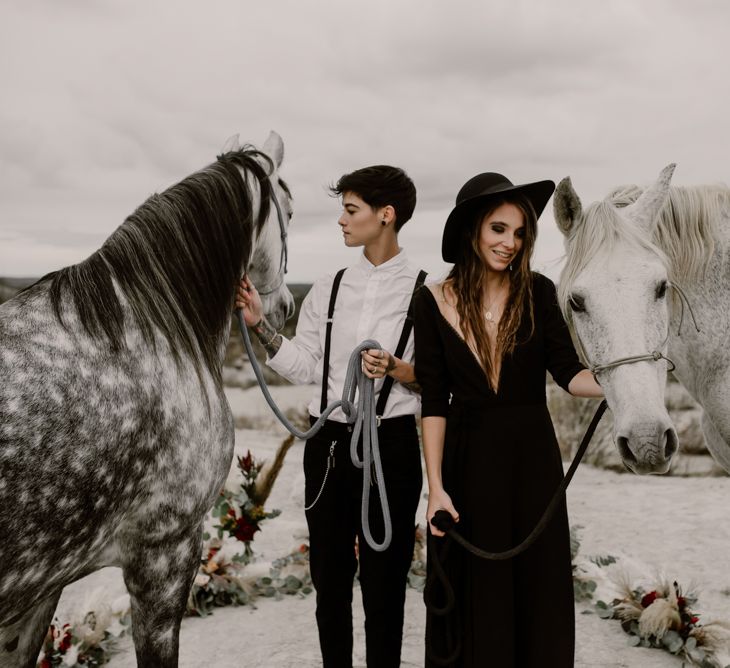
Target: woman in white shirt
368 300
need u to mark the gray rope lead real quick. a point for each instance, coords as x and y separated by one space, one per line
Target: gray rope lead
367 423
361 416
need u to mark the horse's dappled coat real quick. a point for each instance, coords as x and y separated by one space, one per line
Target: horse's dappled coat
115 434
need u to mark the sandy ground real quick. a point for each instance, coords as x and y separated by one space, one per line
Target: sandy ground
676 526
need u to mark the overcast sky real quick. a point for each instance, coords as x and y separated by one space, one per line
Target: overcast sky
104 103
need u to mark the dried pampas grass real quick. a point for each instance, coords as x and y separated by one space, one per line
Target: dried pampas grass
661 616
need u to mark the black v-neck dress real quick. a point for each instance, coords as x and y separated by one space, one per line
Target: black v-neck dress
501 466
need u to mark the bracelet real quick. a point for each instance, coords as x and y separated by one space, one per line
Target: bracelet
270 341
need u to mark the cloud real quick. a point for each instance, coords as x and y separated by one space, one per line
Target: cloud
105 103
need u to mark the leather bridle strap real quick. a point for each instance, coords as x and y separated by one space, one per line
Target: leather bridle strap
283 260
653 356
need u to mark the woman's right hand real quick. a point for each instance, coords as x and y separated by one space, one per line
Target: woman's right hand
248 300
439 500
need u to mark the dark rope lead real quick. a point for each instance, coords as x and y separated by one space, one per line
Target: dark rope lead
443 521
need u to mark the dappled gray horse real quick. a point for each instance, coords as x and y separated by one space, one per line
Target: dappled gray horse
115 434
624 254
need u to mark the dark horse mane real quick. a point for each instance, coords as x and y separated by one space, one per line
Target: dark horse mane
176 259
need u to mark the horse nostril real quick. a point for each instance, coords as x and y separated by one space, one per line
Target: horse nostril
671 443
624 450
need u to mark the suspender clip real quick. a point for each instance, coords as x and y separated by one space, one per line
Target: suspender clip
378 420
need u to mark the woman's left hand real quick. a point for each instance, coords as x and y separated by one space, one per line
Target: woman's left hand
376 363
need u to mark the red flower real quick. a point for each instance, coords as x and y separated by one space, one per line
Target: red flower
694 619
65 642
648 599
681 602
245 463
304 548
45 663
244 530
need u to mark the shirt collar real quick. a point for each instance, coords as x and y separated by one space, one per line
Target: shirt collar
391 266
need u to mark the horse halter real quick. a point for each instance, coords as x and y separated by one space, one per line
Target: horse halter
284 253
653 356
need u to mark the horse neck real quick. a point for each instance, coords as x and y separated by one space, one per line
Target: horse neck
697 353
176 262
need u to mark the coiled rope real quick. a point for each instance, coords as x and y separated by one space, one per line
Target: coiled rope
361 415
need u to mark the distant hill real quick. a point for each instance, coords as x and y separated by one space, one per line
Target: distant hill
10 286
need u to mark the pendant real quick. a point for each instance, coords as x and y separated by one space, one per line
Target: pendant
488 315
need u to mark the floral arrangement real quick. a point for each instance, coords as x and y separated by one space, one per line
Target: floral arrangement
663 617
220 581
241 513
88 641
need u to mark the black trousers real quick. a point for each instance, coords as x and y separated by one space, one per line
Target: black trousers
334 523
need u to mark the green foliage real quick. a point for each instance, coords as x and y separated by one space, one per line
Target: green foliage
583 590
417 571
603 560
584 587
277 585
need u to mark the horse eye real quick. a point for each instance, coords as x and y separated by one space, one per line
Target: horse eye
577 303
661 289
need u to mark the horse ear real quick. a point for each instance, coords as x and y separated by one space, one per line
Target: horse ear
566 206
231 144
274 148
645 210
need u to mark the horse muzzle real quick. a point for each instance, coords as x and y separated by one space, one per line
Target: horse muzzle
281 309
647 447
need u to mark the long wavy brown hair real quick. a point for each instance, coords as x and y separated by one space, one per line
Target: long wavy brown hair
467 278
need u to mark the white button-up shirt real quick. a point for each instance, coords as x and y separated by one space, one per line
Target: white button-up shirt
372 303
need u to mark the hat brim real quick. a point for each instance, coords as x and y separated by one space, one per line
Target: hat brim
538 193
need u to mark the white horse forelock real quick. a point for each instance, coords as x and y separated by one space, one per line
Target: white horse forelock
598 235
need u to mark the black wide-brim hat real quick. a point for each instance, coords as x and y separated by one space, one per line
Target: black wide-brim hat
476 193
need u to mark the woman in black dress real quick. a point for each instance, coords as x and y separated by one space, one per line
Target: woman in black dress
484 339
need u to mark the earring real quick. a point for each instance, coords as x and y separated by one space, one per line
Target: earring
383 223
510 266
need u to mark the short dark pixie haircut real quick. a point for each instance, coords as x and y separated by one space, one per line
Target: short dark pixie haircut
379 186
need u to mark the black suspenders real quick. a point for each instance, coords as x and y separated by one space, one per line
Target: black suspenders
328 338
399 350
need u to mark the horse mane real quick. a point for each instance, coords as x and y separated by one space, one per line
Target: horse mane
687 227
683 239
175 262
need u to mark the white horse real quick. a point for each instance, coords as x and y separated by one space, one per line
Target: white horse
624 256
115 433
